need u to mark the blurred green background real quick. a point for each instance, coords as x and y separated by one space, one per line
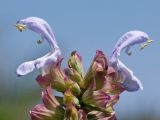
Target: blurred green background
85 25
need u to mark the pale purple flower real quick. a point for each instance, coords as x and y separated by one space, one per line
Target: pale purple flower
128 79
41 27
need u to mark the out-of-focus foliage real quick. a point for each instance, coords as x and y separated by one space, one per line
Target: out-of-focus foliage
16 107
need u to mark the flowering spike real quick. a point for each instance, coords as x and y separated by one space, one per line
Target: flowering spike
41 27
130 81
89 97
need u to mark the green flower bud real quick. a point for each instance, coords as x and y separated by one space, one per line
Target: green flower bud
75 62
70 98
73 86
74 76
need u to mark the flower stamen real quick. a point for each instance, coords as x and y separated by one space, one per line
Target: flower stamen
142 46
20 27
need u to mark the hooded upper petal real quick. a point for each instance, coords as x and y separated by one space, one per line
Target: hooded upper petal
129 80
127 40
41 27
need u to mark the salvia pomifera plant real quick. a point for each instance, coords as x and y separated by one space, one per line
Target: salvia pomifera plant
86 96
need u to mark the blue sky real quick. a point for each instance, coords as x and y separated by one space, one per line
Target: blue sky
85 26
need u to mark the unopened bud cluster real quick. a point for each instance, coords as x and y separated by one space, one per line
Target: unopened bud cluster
89 96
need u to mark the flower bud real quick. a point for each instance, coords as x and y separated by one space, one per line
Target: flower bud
74 76
75 62
49 100
99 65
113 83
73 86
40 112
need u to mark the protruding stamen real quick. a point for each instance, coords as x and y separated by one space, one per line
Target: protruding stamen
149 41
20 27
143 46
146 44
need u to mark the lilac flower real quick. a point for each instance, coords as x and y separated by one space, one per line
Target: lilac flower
128 79
41 27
